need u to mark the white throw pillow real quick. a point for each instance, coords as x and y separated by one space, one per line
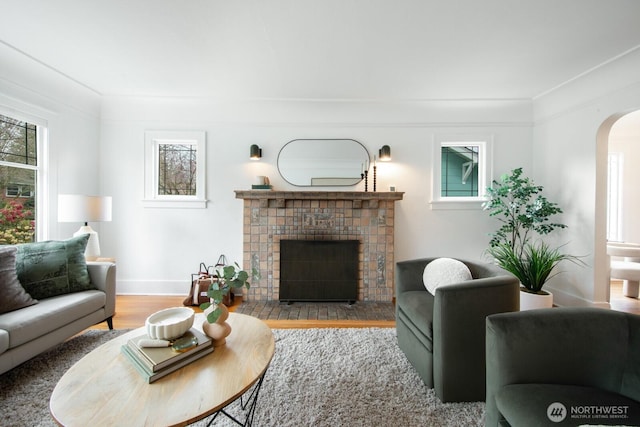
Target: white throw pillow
444 271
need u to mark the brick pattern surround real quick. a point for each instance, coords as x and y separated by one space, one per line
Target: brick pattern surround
270 216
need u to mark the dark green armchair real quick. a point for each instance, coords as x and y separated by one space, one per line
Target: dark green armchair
443 336
563 367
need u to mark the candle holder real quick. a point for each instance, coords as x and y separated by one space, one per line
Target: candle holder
374 177
365 175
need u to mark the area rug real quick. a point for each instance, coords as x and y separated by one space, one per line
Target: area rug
25 390
318 377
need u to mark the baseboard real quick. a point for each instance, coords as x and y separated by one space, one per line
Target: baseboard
563 299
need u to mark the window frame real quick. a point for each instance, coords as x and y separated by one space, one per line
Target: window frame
485 144
41 168
153 140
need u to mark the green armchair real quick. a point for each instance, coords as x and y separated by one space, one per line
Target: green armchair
563 366
443 336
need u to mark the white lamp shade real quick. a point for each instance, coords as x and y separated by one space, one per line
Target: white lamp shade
81 208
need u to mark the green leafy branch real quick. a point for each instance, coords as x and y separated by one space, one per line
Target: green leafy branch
229 277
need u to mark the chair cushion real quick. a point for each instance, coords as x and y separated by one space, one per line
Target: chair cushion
12 294
531 404
415 309
443 272
51 268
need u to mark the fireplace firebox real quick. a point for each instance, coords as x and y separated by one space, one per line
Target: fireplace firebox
319 270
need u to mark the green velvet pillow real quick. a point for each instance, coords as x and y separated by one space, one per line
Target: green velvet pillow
12 294
51 268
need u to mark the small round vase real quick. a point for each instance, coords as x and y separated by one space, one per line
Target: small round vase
220 330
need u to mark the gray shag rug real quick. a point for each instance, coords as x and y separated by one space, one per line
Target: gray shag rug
318 377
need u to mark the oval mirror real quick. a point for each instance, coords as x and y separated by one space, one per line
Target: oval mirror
322 162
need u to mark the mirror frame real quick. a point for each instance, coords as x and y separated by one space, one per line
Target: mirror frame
328 181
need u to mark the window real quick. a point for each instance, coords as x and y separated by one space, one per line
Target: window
19 170
614 200
461 172
175 169
19 190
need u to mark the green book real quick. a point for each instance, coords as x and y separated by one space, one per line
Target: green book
151 376
158 358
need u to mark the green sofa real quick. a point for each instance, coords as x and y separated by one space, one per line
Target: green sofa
443 335
564 367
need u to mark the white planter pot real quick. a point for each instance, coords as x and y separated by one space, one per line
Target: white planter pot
529 301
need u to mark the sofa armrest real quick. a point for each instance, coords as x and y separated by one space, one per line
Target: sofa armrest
103 277
409 275
577 345
459 317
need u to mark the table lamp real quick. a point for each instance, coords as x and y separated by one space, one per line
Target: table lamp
81 208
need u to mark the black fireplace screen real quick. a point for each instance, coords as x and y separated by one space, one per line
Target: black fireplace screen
319 270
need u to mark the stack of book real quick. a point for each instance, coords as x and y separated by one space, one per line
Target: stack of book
154 363
262 187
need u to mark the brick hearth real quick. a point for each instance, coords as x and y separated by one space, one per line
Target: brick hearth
271 216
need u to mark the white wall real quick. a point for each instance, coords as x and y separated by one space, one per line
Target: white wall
570 137
157 249
33 92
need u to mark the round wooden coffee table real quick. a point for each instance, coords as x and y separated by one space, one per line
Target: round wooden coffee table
104 388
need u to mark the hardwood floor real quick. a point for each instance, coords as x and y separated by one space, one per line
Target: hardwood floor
620 302
132 310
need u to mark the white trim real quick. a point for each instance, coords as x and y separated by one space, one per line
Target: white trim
456 203
153 139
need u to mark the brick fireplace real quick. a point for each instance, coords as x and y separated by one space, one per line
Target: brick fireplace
272 216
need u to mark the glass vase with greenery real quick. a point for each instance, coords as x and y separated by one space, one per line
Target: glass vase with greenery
229 277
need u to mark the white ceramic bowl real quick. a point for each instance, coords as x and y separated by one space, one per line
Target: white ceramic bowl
169 323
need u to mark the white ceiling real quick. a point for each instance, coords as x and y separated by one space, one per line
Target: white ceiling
322 49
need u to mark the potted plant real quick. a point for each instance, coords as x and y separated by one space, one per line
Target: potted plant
533 267
524 212
229 277
216 313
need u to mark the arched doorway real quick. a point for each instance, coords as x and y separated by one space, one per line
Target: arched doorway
605 133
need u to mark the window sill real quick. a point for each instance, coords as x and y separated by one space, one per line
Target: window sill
173 204
459 204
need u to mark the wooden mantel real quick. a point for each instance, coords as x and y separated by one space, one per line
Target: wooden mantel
281 197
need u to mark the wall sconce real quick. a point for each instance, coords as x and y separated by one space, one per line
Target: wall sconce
384 153
255 152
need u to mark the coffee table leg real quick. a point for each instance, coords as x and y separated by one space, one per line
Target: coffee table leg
251 403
